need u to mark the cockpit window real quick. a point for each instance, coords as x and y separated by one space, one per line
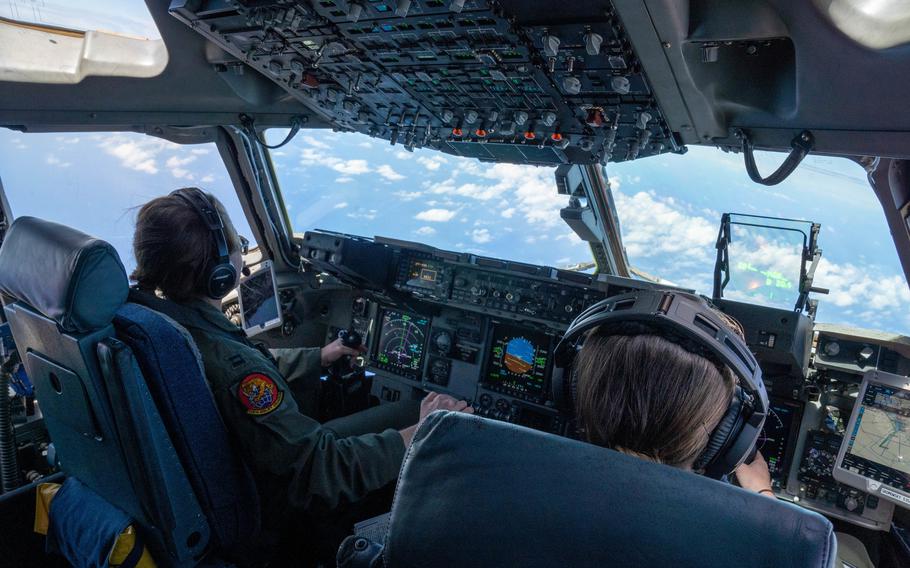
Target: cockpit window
670 209
354 184
115 16
95 181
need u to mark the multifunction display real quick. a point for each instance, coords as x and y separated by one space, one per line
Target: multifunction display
402 339
518 362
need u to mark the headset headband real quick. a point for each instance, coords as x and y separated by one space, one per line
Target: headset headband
206 210
688 317
222 276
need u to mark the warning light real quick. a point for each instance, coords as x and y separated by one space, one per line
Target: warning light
556 137
529 135
481 133
456 132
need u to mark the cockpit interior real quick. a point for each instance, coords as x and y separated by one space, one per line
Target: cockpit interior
575 90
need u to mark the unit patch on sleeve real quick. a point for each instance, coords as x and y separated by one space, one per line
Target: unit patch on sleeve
259 394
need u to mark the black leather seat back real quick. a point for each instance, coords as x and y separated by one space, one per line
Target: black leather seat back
62 290
476 492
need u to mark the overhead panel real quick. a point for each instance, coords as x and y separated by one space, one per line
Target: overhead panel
520 82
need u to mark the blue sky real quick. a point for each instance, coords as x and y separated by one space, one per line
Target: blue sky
669 206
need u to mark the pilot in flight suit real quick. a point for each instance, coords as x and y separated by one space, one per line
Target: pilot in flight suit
300 462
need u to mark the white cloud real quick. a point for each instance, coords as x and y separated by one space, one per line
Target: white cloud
670 233
344 179
407 195
18 144
368 214
175 165
200 151
315 157
436 215
388 173
351 167
481 236
68 140
136 153
365 145
528 190
508 213
402 155
314 142
431 163
207 178
341 205
571 238
55 161
653 225
425 231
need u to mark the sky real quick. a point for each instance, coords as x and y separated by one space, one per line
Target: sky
669 206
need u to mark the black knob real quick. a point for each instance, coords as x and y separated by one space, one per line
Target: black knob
350 338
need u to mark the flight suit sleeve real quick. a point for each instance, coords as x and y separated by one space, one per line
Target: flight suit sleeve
305 460
299 363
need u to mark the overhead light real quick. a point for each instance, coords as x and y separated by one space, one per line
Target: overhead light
877 24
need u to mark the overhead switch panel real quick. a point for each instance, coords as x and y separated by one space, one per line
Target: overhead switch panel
506 81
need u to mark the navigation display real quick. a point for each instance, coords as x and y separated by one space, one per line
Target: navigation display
780 428
258 297
424 273
878 447
402 338
518 361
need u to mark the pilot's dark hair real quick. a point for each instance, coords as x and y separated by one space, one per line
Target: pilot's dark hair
644 394
175 249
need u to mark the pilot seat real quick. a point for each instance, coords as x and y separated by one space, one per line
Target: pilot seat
479 492
125 401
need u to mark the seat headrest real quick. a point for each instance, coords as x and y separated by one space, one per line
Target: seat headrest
489 493
70 277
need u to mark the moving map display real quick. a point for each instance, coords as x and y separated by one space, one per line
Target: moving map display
518 361
402 338
879 444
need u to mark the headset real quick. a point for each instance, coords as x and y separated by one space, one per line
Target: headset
690 322
222 276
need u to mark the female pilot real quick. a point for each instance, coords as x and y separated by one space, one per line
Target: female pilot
300 466
626 379
641 392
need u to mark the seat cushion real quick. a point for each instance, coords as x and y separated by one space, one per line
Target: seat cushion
173 371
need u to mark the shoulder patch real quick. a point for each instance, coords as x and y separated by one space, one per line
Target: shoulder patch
259 394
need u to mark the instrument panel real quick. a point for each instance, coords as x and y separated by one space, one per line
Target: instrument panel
484 330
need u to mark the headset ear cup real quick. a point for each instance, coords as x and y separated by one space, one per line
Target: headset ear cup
222 280
726 429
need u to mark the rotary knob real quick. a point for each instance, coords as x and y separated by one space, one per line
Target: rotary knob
851 503
443 342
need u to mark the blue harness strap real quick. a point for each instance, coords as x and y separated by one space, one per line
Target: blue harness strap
84 527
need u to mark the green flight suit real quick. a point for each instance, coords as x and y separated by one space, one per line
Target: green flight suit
297 463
